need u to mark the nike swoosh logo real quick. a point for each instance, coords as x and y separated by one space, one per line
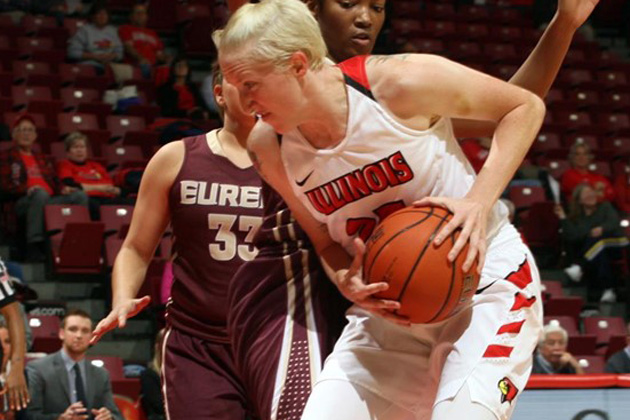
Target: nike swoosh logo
480 291
301 183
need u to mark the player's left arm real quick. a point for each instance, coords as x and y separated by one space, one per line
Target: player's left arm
431 86
540 69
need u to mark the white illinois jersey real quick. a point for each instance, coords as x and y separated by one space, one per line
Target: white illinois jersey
379 167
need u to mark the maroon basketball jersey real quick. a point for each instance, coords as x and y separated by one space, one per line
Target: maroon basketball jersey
216 209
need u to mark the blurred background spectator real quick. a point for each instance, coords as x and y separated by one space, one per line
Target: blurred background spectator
150 385
143 46
593 236
552 356
96 43
580 157
29 178
620 362
179 97
77 171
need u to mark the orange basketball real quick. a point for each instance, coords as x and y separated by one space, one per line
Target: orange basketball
401 252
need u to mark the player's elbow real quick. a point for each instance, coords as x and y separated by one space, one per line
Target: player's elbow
535 108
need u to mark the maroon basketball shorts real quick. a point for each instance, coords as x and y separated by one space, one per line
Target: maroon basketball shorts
285 316
199 381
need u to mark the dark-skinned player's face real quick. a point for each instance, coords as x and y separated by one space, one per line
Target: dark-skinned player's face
350 27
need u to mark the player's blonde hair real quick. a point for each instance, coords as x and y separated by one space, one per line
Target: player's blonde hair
275 30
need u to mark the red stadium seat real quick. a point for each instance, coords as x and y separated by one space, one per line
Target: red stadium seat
68 123
57 216
575 77
115 216
478 32
113 365
100 83
58 150
5 43
591 364
585 344
100 109
112 247
188 12
428 45
572 120
163 16
506 34
566 322
7 57
118 125
72 25
617 146
463 50
567 305
541 229
72 97
614 122
116 154
22 95
524 196
604 327
69 72
59 36
51 81
33 24
440 28
148 112
79 248
6 81
26 45
21 69
147 140
498 52
616 344
6 105
407 9
439 10
583 98
545 141
616 100
473 13
407 28
50 109
552 288
601 167
45 331
612 78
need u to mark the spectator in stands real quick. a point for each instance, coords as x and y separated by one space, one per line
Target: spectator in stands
150 384
77 171
12 331
29 178
142 45
622 190
96 43
179 97
593 236
552 356
620 362
64 385
580 157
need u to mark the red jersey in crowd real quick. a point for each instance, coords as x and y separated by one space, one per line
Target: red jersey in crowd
89 172
34 175
145 41
572 178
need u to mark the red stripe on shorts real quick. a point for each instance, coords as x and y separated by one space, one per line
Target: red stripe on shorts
522 277
495 350
520 301
513 328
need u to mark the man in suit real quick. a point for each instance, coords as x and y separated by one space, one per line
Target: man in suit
64 385
620 361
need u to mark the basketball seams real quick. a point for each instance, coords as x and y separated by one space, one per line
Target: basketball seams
413 225
424 250
450 287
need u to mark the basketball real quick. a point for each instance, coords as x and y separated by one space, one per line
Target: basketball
401 253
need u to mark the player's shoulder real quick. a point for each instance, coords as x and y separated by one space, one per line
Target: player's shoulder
262 139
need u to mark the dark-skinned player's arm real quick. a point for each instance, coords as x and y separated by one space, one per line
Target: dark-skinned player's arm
340 267
151 215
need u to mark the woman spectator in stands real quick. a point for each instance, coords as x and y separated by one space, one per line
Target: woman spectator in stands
150 385
143 46
552 356
179 97
78 171
580 157
96 43
593 236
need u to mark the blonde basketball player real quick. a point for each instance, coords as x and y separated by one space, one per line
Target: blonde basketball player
334 121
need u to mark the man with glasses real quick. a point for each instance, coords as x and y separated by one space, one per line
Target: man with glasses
28 177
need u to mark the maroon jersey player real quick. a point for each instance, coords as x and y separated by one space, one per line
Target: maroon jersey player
206 188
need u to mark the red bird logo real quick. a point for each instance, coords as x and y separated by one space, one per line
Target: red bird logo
508 390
